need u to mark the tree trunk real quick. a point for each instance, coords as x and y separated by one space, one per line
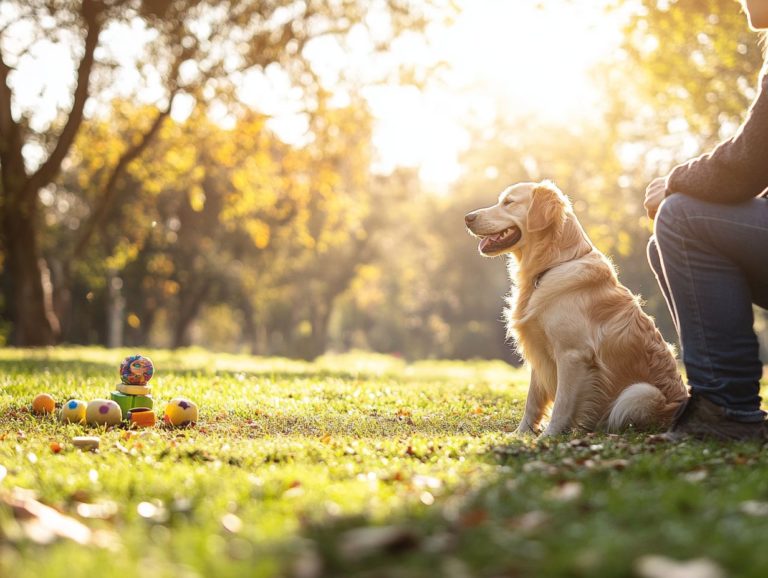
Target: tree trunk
115 310
190 303
27 298
321 315
250 328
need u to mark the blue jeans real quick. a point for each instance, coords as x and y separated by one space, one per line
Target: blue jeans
711 262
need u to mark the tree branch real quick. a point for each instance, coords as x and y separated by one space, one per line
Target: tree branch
107 196
91 11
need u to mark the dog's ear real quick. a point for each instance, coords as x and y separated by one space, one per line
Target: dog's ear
548 204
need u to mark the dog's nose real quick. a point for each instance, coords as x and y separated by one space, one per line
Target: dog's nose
469 217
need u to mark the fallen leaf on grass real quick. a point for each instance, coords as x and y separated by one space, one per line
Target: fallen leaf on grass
86 443
566 492
617 464
154 511
99 511
529 521
473 518
696 476
754 508
655 439
231 523
661 567
294 490
362 542
43 525
539 466
741 460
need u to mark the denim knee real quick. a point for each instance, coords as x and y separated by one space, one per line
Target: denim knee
673 212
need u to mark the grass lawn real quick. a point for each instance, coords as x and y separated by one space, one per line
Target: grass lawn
355 465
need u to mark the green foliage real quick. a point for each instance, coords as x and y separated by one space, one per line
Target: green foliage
696 61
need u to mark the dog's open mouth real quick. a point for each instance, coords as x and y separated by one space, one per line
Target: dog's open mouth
500 241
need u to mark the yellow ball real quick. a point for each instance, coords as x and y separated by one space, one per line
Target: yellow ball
103 412
180 412
73 411
43 404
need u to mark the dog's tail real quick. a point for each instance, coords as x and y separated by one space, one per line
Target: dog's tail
641 405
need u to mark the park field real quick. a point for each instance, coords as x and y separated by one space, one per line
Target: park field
354 465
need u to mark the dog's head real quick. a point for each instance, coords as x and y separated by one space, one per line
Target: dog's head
523 212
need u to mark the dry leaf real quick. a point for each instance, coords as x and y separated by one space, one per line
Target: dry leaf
44 525
539 466
231 523
100 511
361 542
754 508
661 567
473 518
617 464
566 492
86 442
529 521
696 476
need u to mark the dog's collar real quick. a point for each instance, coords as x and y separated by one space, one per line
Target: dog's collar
537 279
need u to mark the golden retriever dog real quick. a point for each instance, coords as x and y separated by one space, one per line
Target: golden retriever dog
595 357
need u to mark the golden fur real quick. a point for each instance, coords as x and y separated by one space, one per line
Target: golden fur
595 357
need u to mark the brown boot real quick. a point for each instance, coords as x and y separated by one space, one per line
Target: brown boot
700 419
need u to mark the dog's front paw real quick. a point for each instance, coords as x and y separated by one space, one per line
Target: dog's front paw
525 429
552 431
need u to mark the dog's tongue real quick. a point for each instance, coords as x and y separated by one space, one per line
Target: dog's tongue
485 241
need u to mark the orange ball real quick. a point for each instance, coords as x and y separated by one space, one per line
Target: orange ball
43 404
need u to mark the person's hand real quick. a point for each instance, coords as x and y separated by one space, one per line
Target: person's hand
654 194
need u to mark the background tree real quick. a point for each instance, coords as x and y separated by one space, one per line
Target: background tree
192 47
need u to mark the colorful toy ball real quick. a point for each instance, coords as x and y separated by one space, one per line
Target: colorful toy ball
73 411
43 404
103 412
136 370
180 412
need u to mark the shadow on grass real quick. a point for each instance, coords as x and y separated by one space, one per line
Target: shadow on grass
599 507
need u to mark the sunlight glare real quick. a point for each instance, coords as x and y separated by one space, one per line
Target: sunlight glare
506 60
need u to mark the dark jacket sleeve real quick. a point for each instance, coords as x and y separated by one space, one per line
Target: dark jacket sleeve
737 169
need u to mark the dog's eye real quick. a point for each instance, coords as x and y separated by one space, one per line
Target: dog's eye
509 201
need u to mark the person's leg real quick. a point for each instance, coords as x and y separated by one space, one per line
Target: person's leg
654 260
714 259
